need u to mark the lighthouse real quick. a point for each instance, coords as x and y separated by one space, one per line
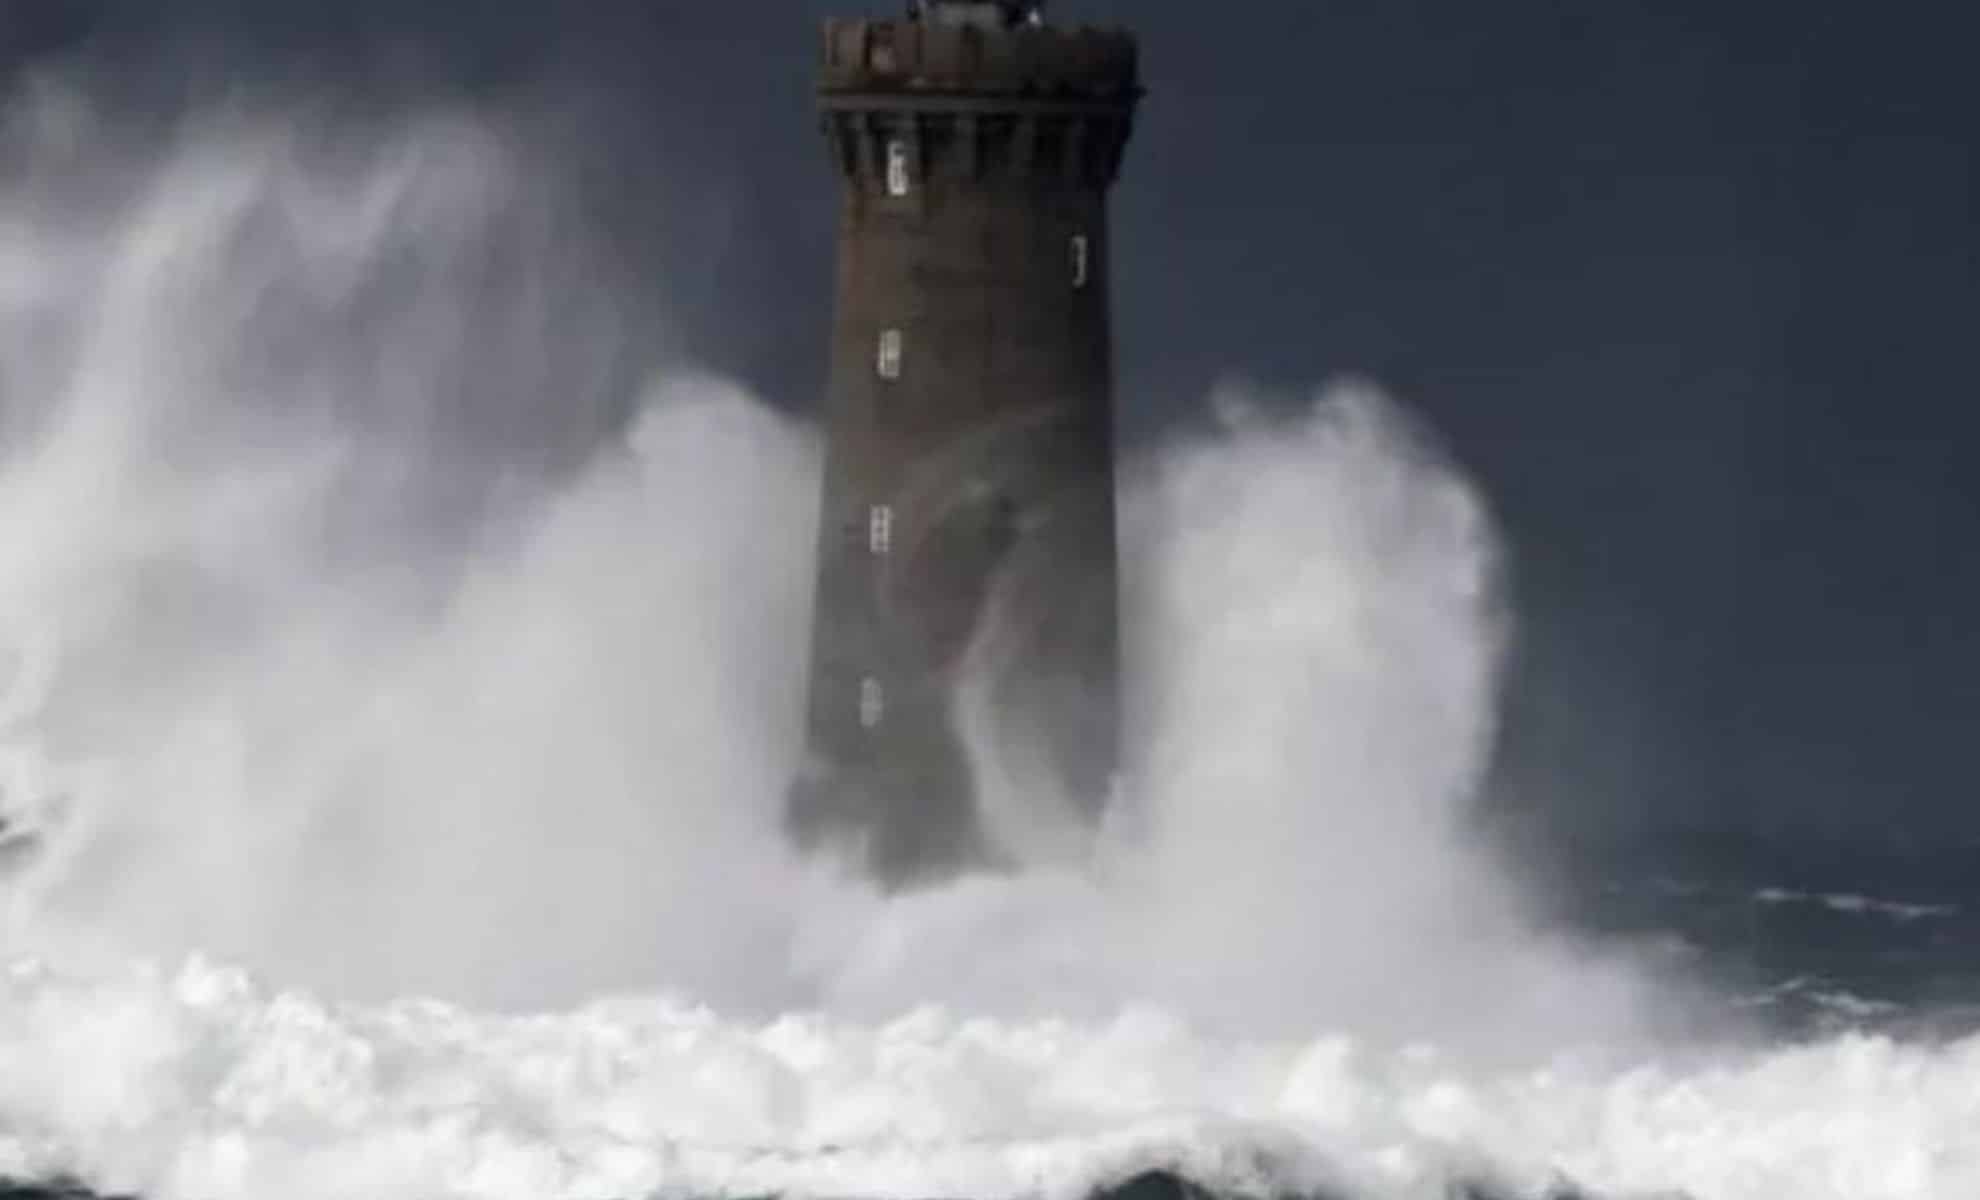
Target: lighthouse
964 644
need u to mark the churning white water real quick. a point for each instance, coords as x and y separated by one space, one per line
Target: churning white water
313 661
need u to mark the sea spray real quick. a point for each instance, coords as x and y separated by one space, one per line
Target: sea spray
539 749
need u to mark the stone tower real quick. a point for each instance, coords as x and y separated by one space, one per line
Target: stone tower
966 601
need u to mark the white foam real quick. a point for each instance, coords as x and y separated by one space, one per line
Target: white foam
199 1083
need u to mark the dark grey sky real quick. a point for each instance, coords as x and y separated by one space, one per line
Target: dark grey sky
1690 286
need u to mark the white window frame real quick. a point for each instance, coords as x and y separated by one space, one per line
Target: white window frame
887 361
872 703
880 529
1082 260
898 178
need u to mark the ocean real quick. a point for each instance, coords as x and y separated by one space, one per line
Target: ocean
383 820
1819 937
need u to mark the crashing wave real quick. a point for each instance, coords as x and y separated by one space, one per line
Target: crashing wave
203 1084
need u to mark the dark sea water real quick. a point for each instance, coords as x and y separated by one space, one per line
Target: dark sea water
1813 937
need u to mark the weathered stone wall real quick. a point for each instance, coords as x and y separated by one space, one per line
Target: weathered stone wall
973 172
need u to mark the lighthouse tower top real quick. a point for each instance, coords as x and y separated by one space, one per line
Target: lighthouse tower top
980 14
986 47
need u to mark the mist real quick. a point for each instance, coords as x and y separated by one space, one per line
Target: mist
322 651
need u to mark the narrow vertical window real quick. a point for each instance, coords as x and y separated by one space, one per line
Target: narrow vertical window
872 703
890 354
880 529
897 167
1082 256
